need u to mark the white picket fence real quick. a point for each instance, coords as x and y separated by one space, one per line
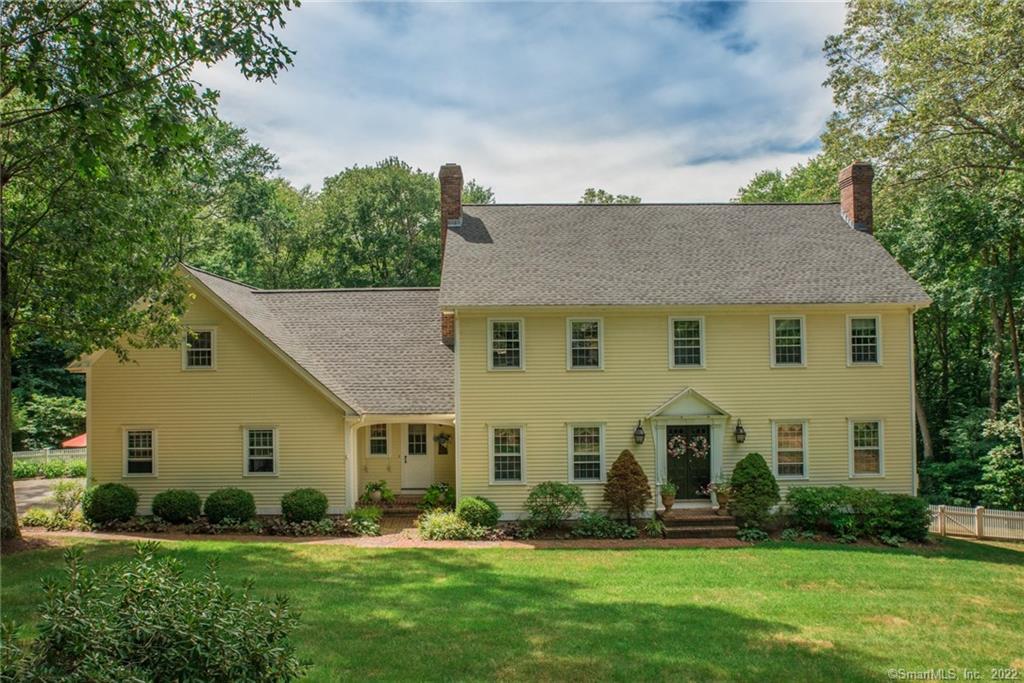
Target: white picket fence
46 454
979 522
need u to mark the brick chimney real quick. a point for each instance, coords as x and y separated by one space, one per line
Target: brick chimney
855 195
451 200
448 329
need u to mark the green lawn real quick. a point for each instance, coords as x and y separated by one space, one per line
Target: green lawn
775 611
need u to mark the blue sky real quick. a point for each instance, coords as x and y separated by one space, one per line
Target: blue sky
672 102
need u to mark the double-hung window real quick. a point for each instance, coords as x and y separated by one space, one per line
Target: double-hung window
198 352
789 449
416 439
788 341
584 343
865 447
505 344
507 455
586 453
139 452
686 339
379 440
864 335
260 450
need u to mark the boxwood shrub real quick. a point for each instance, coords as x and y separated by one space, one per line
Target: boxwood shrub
551 503
109 503
754 491
235 504
177 506
304 505
853 512
478 511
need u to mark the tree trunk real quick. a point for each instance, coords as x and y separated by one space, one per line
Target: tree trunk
8 509
922 425
1017 374
997 315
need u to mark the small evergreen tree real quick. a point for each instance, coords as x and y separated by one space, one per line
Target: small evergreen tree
754 490
627 489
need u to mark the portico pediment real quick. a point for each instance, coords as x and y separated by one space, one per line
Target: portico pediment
688 403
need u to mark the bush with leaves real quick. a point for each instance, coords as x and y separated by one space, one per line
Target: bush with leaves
36 517
849 513
109 502
67 495
596 525
304 505
754 491
229 503
177 506
146 620
75 468
1002 478
445 525
365 520
951 483
478 511
551 503
54 469
438 496
626 488
26 469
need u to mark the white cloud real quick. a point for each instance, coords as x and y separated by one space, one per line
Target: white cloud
542 100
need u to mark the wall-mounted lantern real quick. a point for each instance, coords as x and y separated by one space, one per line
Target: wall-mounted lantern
740 433
638 433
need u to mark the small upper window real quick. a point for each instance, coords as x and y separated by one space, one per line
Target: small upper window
198 348
787 341
417 439
140 451
586 449
260 451
790 449
866 443
379 439
864 340
506 345
584 344
687 343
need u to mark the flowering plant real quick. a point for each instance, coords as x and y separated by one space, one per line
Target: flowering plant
679 447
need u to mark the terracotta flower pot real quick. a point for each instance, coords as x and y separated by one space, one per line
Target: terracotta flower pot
723 504
375 496
667 501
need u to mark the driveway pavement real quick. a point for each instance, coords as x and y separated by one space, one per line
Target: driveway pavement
36 493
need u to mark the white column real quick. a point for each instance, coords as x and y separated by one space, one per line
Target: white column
351 464
717 434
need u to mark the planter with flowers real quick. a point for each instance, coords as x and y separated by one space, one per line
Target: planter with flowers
668 494
720 493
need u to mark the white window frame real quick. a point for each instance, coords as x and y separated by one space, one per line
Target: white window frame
572 454
568 344
522 455
406 432
806 449
672 343
881 448
522 344
213 349
803 341
124 452
245 450
370 438
849 340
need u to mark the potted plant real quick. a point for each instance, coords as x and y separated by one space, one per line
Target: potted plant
377 491
720 495
668 494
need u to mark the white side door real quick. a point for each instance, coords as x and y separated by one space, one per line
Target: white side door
417 456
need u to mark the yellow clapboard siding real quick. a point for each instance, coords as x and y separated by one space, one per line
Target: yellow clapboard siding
636 380
199 416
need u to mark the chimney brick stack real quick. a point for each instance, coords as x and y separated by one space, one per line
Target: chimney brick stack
450 177
855 195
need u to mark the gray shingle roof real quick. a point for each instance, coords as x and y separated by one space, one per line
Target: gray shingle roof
378 350
661 254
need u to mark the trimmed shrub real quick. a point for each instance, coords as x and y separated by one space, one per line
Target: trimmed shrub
54 469
75 468
147 620
754 491
849 513
444 525
177 506
365 521
912 517
109 502
304 505
234 504
26 469
550 503
36 517
478 511
596 525
627 489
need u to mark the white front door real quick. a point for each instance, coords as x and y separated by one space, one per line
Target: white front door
417 457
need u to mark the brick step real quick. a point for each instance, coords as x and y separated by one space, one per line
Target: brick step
401 510
675 519
702 532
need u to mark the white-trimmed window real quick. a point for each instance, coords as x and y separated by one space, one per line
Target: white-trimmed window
260 445
788 341
199 349
416 439
864 336
789 448
584 343
379 440
586 453
866 456
505 344
139 452
508 455
686 342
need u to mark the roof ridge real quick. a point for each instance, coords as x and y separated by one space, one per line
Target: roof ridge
835 203
220 277
315 290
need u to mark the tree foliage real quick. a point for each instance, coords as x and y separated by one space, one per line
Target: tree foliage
597 196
